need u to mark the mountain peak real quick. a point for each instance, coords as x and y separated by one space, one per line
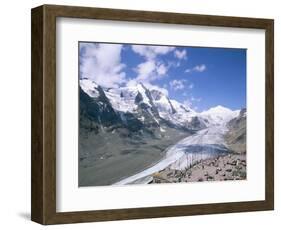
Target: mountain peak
220 114
89 87
140 86
219 109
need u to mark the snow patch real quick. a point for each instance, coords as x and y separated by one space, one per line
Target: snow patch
89 87
162 130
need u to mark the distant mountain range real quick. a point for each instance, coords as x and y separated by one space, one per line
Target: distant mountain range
138 108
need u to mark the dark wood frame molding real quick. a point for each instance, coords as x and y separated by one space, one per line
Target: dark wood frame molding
43 170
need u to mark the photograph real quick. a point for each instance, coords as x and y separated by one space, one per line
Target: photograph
151 114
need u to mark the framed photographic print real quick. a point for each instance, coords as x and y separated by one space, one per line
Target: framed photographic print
140 114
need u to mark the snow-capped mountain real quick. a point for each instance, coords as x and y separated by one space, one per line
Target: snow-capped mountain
123 99
219 115
152 108
177 113
136 100
90 87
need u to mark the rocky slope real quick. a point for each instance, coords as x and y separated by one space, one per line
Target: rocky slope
236 135
222 168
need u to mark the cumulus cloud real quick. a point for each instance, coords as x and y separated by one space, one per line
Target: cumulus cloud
174 64
180 54
195 99
150 70
102 64
177 84
150 52
197 68
145 70
200 68
161 69
191 86
153 67
180 84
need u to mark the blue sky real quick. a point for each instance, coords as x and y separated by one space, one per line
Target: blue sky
197 76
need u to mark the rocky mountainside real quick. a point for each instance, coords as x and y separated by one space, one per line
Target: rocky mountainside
138 108
236 135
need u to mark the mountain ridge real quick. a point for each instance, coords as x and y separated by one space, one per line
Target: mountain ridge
153 107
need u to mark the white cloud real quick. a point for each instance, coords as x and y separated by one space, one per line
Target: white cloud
195 99
177 84
145 70
197 68
174 64
161 69
200 68
191 86
102 64
150 70
150 52
180 54
180 84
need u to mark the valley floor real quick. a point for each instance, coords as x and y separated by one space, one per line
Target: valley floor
114 158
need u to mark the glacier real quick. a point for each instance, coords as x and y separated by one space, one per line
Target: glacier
206 143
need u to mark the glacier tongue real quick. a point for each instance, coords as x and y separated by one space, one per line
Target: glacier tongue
204 144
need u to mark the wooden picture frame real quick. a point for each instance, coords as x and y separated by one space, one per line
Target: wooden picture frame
43 205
